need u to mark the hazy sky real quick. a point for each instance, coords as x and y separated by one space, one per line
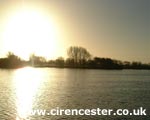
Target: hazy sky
119 29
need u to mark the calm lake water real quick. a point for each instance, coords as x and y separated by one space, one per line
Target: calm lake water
47 88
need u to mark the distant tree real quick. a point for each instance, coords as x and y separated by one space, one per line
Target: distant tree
78 54
136 65
12 56
37 60
105 63
69 62
12 61
60 61
126 64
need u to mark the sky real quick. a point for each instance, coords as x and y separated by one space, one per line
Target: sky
118 29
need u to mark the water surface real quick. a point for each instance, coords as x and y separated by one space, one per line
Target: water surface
47 88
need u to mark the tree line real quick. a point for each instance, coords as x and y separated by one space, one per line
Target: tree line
78 57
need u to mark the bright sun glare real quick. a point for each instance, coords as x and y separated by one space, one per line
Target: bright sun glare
27 82
29 31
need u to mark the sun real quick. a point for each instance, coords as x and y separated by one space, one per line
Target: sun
29 31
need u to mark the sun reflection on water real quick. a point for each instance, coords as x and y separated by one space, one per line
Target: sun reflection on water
27 81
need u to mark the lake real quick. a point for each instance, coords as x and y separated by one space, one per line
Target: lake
28 88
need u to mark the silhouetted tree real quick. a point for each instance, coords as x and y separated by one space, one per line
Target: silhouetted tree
104 63
79 57
60 61
126 64
37 60
12 61
12 56
69 62
78 54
